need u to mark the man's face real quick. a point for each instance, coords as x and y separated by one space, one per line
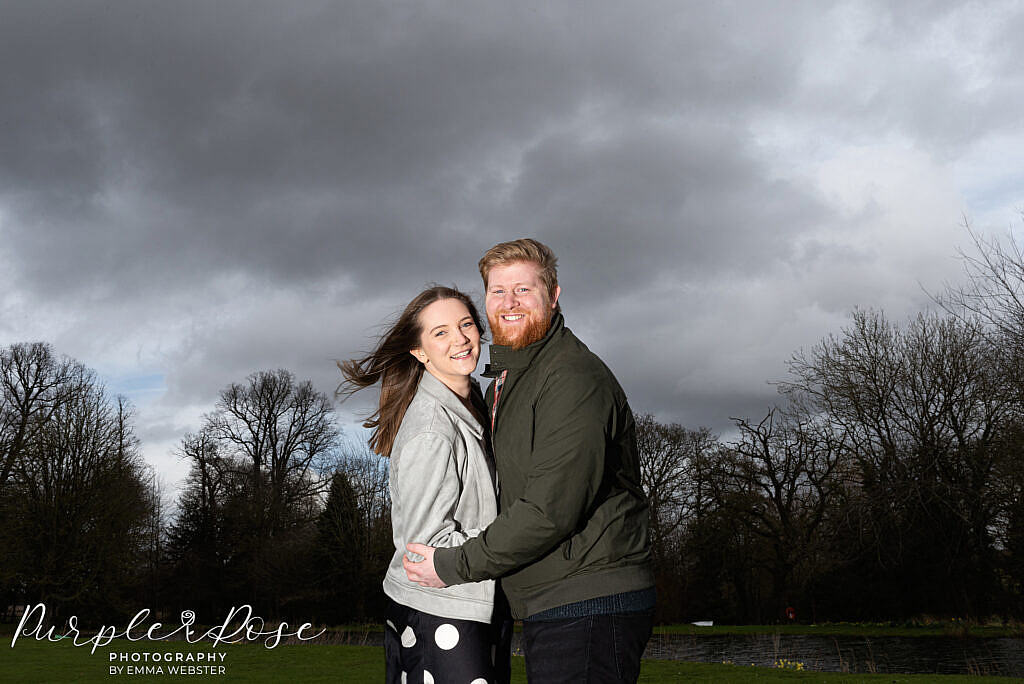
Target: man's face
518 306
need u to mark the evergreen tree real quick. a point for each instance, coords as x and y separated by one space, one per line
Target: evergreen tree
342 546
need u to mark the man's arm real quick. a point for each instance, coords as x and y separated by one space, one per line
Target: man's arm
566 469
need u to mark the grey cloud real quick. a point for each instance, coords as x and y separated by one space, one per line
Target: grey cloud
298 143
648 201
237 186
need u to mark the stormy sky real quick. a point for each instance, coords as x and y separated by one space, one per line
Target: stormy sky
194 191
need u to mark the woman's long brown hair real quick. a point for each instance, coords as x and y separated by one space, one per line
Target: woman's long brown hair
397 370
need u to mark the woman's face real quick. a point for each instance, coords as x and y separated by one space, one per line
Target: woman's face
449 341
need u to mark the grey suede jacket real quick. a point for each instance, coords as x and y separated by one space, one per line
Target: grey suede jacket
442 483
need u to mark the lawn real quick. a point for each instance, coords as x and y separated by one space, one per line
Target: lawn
35 661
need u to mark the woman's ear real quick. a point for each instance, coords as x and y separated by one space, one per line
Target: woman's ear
419 355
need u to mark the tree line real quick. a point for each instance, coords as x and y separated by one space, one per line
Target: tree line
277 510
887 487
886 484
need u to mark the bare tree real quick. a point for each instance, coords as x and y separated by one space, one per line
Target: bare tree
367 474
82 500
921 407
33 383
201 548
207 469
783 473
280 434
670 457
260 466
994 289
993 294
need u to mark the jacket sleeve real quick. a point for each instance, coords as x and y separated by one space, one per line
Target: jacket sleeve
565 470
426 489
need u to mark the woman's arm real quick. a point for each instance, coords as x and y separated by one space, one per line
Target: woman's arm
426 487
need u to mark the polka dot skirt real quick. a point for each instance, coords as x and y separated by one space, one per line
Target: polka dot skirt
420 647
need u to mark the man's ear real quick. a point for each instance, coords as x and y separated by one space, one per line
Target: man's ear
554 300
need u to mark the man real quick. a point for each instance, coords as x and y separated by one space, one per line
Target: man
570 544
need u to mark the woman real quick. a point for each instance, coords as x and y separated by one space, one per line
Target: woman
431 421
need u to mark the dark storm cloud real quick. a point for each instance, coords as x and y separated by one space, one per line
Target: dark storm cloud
648 201
300 142
200 190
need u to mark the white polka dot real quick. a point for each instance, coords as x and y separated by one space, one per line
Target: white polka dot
391 625
427 677
479 680
446 637
408 638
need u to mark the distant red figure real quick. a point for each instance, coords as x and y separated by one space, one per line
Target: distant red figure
790 613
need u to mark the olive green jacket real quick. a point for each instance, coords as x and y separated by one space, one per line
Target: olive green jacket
573 520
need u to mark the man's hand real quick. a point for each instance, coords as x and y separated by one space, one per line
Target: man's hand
422 573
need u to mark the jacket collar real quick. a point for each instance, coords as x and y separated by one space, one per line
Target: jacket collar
506 358
450 401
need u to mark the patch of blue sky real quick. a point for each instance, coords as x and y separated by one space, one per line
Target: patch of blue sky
997 194
991 179
139 389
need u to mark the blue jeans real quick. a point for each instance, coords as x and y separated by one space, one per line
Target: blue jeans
596 649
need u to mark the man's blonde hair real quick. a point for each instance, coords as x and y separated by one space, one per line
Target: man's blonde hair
523 249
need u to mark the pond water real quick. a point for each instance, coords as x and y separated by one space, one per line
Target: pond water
907 655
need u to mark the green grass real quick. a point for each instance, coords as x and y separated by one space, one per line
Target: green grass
35 661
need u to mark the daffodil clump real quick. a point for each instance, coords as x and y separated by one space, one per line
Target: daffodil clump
789 665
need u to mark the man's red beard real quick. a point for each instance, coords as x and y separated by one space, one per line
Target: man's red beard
536 328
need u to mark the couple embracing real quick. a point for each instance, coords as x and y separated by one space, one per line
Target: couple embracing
525 505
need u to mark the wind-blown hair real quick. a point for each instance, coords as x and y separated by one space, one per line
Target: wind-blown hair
397 370
523 249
